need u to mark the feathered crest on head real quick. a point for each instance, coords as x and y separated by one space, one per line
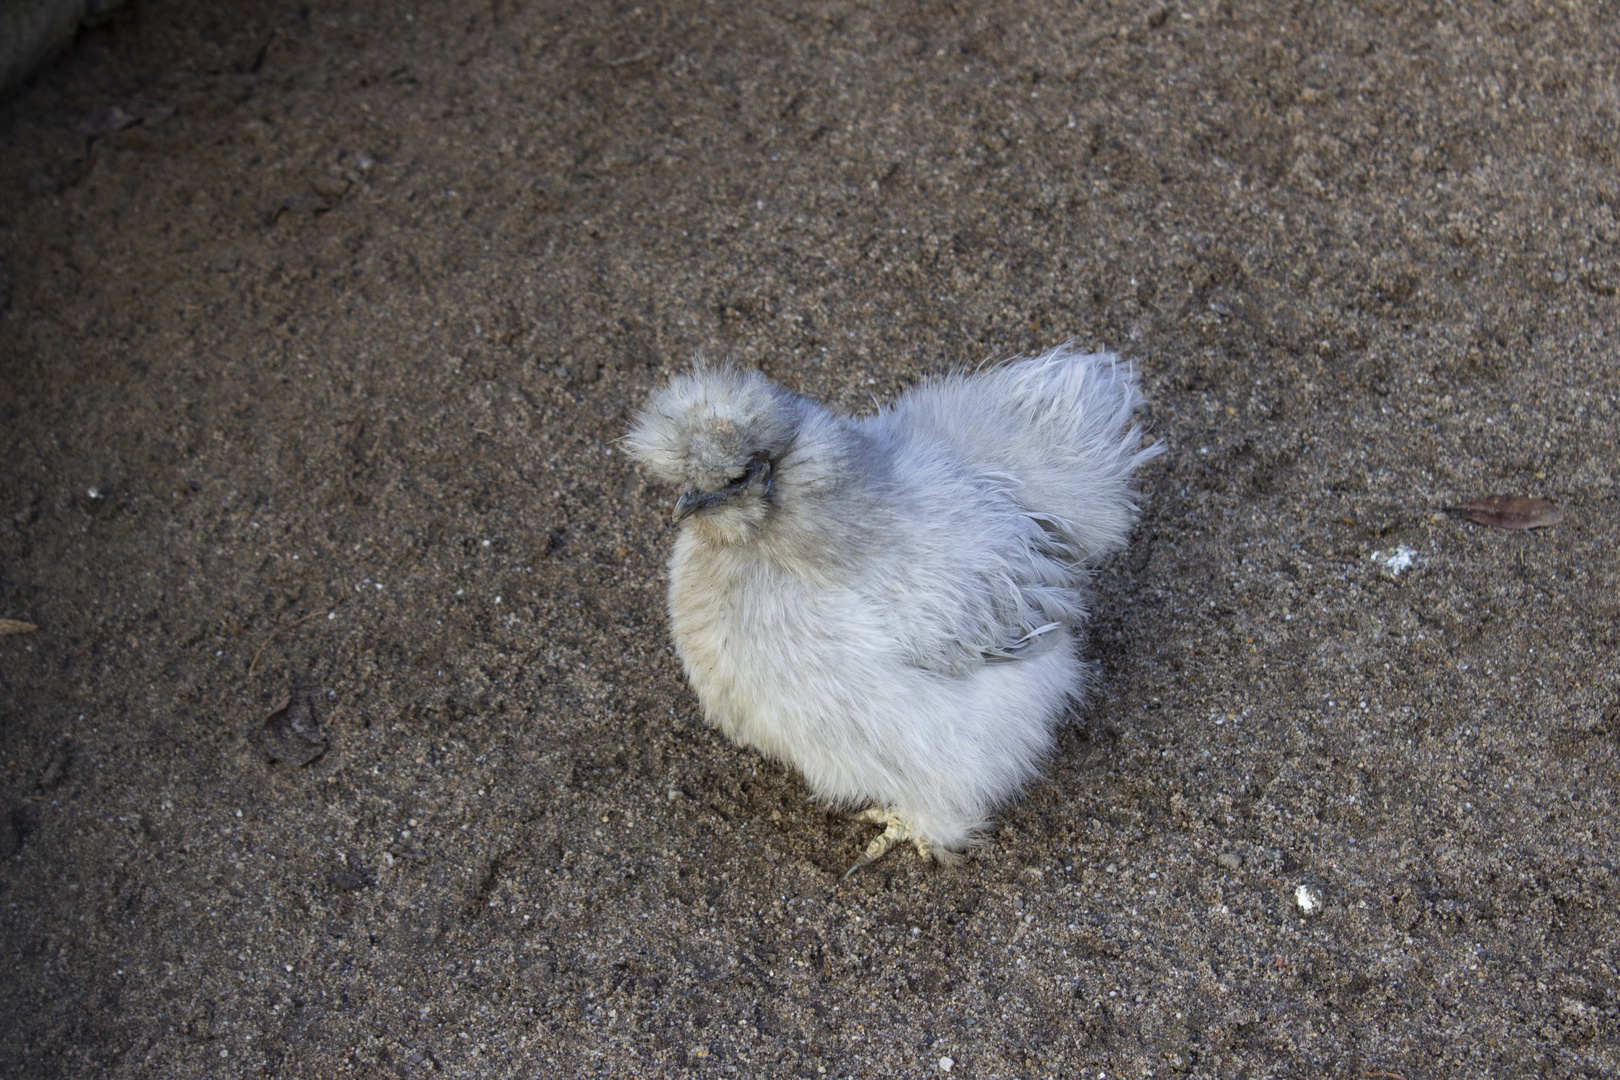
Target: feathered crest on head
706 425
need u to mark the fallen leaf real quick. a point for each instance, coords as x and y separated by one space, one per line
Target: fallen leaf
348 878
290 732
1509 512
56 769
16 626
104 121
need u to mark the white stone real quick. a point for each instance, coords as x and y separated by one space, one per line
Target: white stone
1307 899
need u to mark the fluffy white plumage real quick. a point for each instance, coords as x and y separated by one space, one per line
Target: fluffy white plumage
894 604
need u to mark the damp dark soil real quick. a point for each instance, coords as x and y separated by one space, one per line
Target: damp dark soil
350 739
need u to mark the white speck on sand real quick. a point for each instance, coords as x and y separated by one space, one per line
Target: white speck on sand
1401 558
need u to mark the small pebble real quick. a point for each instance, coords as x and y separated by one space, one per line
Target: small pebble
945 1064
329 185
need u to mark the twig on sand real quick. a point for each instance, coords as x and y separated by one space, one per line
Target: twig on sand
626 61
298 622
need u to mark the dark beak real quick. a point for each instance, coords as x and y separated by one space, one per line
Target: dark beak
689 503
692 500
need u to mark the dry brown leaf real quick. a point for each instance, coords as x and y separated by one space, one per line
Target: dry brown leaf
1509 512
16 626
290 732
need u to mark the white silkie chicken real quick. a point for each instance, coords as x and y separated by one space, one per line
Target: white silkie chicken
894 605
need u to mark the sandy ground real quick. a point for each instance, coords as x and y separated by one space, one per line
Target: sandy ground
317 325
